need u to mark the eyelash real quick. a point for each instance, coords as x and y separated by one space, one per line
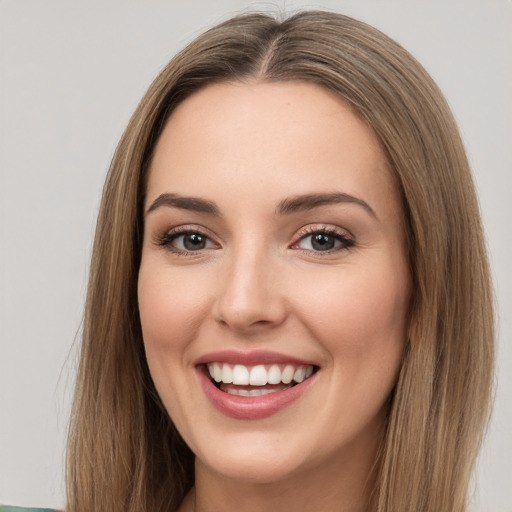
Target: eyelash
345 242
167 239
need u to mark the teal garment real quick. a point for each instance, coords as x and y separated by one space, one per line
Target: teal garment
5 508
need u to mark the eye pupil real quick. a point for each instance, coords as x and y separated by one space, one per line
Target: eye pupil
322 242
194 242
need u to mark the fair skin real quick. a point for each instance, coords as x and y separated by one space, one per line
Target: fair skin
249 268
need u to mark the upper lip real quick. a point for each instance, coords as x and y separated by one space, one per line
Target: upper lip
251 358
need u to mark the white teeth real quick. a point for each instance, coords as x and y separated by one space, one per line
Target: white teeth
227 374
274 375
287 375
299 374
240 375
260 392
252 392
258 375
217 372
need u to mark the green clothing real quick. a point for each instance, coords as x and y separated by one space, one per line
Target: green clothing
5 508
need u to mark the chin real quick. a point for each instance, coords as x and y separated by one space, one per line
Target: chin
261 468
257 456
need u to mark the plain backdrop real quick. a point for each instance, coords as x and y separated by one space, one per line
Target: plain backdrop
72 72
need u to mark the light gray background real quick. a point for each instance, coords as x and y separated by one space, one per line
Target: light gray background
71 75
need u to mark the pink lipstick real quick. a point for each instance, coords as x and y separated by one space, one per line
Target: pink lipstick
253 385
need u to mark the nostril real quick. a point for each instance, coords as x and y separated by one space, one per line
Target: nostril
249 303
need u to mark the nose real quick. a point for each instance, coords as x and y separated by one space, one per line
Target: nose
251 295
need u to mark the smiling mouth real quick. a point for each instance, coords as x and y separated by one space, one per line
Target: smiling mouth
257 380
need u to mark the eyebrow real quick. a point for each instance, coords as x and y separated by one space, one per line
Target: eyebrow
185 203
310 201
286 206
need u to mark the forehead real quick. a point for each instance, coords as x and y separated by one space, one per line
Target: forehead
273 138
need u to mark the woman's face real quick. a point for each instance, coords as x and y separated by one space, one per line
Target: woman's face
273 258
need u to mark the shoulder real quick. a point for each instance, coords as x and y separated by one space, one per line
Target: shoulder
5 508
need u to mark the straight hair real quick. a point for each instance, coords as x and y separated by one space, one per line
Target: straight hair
124 454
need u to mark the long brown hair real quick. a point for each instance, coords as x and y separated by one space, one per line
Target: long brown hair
124 454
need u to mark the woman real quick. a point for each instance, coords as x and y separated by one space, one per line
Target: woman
289 216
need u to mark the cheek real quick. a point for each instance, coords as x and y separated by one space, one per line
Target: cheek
171 312
359 315
170 306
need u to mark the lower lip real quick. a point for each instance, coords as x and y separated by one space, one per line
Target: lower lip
253 407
